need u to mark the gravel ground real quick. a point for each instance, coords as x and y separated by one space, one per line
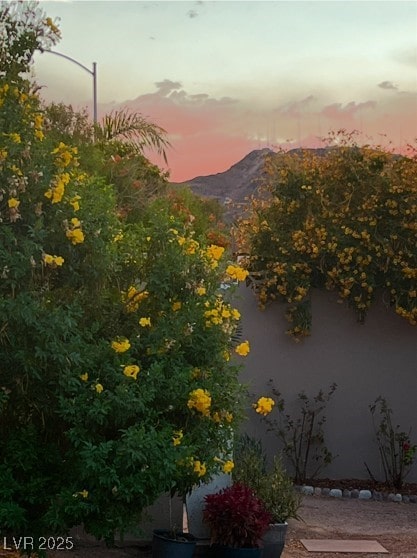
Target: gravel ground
393 525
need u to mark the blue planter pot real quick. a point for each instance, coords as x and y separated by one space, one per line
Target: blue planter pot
164 547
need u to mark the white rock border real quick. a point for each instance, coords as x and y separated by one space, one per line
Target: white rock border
307 490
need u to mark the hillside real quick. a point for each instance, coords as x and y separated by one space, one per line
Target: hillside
233 185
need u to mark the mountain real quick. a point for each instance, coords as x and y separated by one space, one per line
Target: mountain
233 185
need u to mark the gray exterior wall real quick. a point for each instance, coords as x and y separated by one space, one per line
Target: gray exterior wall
377 358
366 361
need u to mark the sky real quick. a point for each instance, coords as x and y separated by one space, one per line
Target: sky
226 77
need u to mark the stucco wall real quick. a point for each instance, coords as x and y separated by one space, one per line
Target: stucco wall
377 358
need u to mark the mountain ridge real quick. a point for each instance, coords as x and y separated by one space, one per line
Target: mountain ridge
233 184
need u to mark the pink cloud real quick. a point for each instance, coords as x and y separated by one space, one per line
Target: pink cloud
200 128
209 134
346 113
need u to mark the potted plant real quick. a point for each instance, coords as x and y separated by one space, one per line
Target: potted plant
237 519
275 488
172 543
277 491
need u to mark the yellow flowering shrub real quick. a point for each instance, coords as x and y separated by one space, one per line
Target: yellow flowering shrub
115 332
342 219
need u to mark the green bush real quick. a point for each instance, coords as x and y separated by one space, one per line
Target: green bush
115 340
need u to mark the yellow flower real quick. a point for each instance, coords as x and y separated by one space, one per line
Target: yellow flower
13 203
99 388
131 371
52 26
75 202
236 272
200 399
235 314
118 237
216 417
83 493
145 322
15 138
215 252
57 190
76 236
201 291
228 466
133 298
199 468
76 223
48 259
64 155
192 247
243 349
264 405
38 121
39 135
16 170
178 436
53 260
120 345
84 377
176 306
226 355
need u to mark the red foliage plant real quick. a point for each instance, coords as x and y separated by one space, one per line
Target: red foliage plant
236 517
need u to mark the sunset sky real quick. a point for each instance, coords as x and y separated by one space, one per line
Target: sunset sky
225 77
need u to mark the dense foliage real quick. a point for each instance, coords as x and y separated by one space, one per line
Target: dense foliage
115 332
343 219
236 516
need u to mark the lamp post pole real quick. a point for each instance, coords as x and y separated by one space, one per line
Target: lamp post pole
92 73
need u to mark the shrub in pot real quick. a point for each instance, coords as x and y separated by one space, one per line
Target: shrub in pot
275 488
277 491
237 519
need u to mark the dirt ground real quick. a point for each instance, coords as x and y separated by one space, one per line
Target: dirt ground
393 525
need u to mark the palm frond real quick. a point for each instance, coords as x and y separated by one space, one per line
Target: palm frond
135 129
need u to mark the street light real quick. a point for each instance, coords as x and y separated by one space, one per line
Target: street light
92 72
